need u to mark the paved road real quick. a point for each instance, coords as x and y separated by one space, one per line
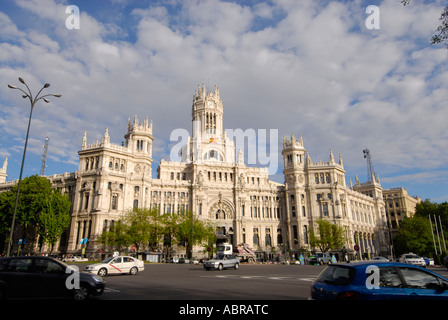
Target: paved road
192 282
179 291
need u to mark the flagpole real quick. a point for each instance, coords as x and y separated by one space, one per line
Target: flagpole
432 230
441 231
438 237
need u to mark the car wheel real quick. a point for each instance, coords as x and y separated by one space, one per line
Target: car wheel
220 267
133 271
82 293
237 265
102 272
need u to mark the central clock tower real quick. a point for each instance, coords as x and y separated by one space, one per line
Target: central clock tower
207 109
209 142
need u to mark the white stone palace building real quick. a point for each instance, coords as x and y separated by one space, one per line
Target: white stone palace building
211 179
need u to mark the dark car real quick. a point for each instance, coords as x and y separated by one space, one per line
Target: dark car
44 277
373 280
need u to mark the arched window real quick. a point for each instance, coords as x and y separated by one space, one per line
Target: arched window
220 214
213 155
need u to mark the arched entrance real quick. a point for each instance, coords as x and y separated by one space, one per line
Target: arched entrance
222 213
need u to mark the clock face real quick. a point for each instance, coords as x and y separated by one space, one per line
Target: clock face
211 104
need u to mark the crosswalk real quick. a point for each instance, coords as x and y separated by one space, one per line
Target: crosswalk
263 277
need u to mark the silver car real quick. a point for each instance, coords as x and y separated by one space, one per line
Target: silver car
222 261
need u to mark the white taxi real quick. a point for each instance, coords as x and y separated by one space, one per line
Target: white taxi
412 259
115 265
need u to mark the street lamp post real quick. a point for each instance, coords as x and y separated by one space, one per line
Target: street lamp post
33 101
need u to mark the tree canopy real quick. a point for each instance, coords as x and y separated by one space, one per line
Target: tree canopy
327 236
441 36
148 229
41 210
415 233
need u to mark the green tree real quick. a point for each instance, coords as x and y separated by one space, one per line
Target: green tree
6 211
117 236
193 231
54 218
33 209
144 227
327 236
34 192
414 235
442 31
148 228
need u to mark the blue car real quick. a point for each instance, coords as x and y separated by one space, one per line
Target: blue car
375 280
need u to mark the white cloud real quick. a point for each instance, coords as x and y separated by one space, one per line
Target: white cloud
308 67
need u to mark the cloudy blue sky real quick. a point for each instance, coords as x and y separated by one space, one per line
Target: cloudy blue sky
298 66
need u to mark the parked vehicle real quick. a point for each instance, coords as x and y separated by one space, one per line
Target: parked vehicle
75 259
412 259
320 258
429 261
370 280
45 277
243 252
222 261
116 265
379 258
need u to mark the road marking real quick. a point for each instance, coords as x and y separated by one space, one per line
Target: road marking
110 290
249 277
308 279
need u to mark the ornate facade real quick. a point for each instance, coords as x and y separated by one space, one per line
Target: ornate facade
211 179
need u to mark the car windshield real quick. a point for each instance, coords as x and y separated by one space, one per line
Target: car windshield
412 256
219 257
337 275
107 260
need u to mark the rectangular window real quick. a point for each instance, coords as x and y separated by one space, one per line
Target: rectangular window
114 202
86 204
305 234
325 209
